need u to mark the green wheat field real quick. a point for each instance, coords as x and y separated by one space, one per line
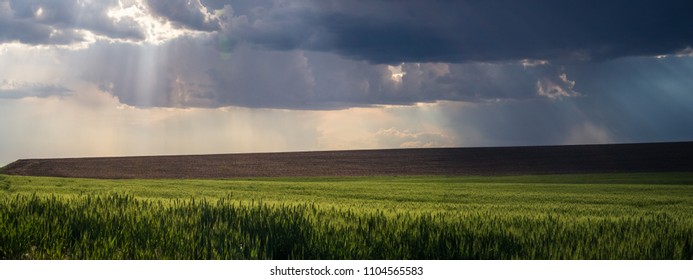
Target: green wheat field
597 216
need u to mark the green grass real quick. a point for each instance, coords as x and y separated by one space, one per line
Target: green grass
595 216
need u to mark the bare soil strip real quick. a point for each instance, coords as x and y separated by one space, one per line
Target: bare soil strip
651 157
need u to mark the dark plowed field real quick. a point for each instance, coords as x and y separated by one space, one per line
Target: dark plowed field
655 157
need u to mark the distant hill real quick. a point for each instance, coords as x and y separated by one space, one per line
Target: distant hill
650 157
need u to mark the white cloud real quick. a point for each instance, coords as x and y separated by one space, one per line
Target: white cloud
397 73
556 89
533 62
186 14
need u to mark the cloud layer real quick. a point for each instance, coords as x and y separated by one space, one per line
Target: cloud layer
388 32
190 73
313 54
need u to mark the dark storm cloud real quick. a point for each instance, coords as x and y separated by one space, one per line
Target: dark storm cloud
386 31
33 34
358 83
271 79
470 30
59 22
189 14
188 72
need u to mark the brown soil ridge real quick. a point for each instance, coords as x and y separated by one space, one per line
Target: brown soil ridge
648 157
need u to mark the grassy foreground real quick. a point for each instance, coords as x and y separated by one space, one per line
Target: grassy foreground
607 216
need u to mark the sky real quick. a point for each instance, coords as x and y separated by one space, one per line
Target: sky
81 78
